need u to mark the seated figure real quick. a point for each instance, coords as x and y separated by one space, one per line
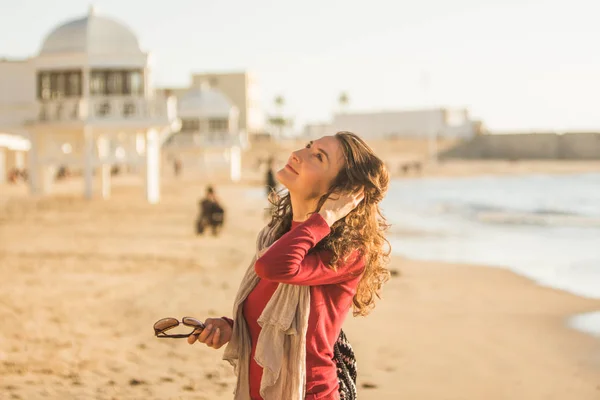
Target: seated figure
212 215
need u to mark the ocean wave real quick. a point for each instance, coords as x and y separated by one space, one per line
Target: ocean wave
477 208
545 218
520 216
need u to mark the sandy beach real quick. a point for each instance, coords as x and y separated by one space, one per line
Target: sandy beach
83 282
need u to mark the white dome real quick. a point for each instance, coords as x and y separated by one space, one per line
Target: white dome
205 102
92 34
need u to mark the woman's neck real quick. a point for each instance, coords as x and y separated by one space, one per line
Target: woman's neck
302 209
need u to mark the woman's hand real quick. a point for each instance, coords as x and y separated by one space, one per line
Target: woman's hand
216 333
338 205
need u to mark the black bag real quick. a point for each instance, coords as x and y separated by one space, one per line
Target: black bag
345 361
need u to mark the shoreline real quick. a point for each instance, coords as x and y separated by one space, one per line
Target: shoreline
581 316
581 325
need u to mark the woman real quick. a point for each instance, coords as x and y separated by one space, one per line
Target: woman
323 251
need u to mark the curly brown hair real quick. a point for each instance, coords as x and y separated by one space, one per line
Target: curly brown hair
363 229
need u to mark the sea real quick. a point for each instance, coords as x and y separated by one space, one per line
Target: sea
544 227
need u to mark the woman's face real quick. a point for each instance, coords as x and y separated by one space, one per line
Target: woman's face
310 171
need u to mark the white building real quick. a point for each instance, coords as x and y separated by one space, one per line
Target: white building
242 89
442 123
86 102
210 137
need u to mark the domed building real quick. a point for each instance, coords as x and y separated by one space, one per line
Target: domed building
92 34
86 102
209 115
210 138
209 130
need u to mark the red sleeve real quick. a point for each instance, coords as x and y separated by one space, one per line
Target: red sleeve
288 261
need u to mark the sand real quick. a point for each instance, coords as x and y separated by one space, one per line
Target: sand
83 282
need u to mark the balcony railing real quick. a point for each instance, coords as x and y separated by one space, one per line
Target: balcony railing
107 109
206 139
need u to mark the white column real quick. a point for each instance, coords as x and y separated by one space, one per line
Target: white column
146 79
48 173
152 166
106 181
85 82
34 169
3 170
19 160
103 152
88 161
85 109
235 163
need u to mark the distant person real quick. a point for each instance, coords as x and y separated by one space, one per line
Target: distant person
115 170
62 173
177 166
270 181
13 175
212 215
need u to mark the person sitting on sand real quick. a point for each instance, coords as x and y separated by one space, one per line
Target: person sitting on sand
211 213
323 252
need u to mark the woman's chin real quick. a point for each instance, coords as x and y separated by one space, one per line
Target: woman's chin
282 176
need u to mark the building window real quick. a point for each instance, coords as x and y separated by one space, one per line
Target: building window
59 89
98 83
218 125
74 84
44 86
59 84
190 125
135 83
115 83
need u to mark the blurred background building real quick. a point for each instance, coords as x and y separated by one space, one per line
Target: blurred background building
441 122
86 104
210 135
241 89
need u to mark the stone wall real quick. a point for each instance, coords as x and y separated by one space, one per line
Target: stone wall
569 146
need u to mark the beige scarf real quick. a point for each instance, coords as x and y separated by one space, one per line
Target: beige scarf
281 345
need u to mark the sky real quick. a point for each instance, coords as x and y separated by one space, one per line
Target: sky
518 65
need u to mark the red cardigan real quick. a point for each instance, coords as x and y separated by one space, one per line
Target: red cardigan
331 293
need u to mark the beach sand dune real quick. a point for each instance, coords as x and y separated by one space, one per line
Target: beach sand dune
83 282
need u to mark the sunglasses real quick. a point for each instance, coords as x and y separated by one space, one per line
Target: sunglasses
163 325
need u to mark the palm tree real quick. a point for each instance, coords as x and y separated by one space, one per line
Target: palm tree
279 102
279 120
343 101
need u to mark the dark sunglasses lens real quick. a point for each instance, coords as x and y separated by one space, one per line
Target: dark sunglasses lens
165 324
189 321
